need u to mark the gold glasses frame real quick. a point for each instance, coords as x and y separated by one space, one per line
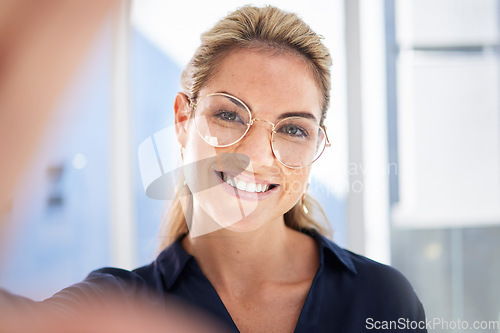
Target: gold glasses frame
193 106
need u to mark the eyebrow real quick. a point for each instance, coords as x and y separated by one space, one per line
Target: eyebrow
306 115
232 99
297 114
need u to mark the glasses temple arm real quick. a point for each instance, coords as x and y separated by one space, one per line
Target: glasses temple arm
327 144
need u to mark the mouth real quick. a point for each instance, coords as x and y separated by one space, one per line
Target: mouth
245 186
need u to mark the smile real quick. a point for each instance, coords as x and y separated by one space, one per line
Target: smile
245 186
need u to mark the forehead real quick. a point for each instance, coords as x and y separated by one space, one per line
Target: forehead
269 82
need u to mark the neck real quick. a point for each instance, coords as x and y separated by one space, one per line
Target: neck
250 258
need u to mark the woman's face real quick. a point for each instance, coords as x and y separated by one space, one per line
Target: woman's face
273 86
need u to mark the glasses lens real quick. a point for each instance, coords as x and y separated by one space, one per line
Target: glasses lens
221 120
298 141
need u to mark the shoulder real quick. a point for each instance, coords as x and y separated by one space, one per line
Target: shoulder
359 267
115 278
8 299
379 278
146 280
103 284
365 272
373 287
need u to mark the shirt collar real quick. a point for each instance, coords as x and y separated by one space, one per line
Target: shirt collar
172 261
330 249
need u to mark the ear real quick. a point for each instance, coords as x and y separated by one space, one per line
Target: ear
182 111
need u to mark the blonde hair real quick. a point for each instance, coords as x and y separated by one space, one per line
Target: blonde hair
252 27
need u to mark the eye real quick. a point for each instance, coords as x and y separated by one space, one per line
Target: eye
229 116
293 130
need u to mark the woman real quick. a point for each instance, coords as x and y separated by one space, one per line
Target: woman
239 240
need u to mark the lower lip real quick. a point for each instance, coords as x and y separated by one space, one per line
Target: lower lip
250 196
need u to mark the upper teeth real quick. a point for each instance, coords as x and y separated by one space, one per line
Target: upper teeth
241 185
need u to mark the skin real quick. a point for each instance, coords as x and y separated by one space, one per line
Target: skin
43 42
261 269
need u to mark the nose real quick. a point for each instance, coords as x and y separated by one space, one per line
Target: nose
257 144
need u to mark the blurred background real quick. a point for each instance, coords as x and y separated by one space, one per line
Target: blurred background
412 178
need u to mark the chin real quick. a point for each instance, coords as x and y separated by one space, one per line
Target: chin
224 212
246 225
242 217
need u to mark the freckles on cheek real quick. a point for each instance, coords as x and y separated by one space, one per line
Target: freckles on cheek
296 182
294 187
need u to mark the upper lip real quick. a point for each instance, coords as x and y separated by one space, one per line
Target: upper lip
248 178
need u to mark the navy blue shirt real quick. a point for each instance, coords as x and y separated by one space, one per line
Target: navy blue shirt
349 292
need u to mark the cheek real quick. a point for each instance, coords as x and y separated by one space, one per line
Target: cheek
196 149
196 161
296 182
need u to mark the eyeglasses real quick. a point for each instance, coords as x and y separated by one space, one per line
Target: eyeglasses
223 120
